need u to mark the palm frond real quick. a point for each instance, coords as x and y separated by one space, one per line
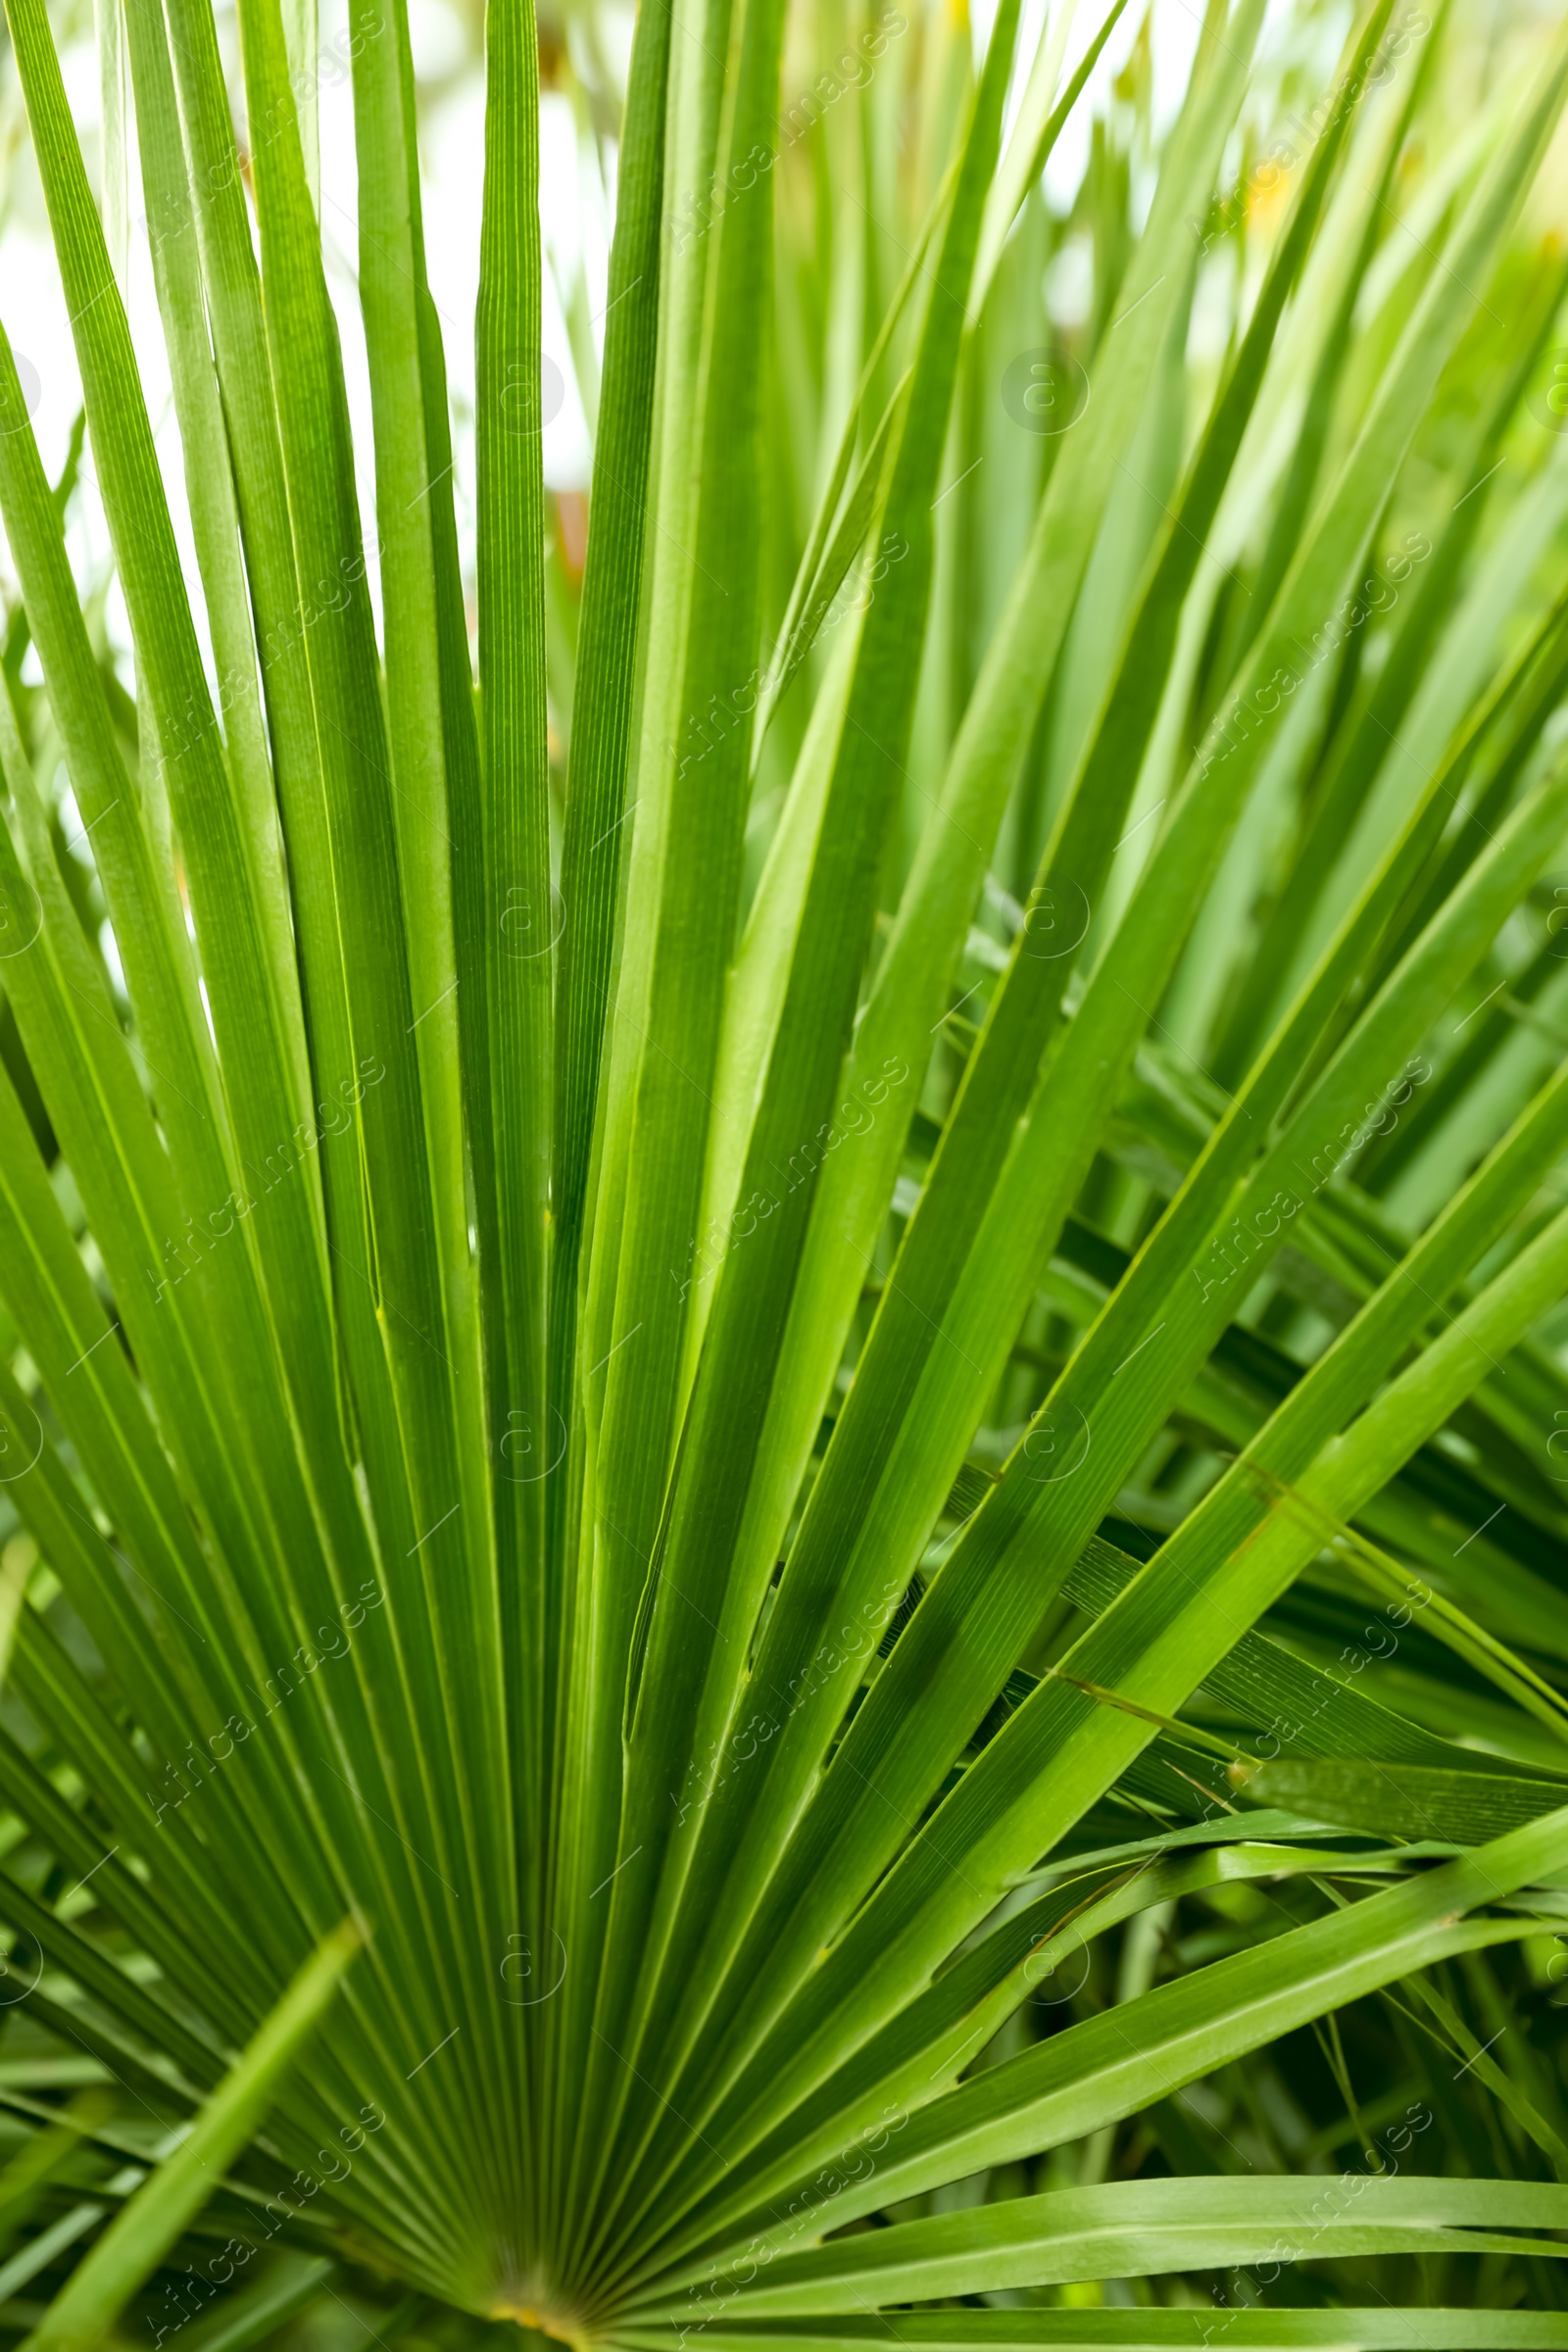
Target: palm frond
795 1297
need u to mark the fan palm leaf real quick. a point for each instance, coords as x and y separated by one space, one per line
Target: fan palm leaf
748 1330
